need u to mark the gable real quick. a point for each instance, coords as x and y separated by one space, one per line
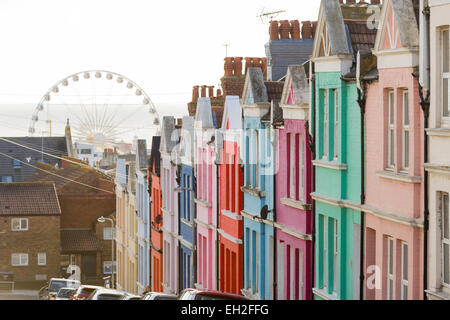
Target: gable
398 26
255 90
331 36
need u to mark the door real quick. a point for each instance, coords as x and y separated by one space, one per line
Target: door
89 266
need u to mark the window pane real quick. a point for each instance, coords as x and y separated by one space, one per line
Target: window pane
405 261
445 102
391 256
391 107
405 108
15 224
446 216
391 284
446 267
406 149
391 147
445 51
405 292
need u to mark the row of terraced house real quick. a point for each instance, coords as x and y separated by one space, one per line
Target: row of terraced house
320 171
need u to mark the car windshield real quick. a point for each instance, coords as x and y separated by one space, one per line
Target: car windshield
65 293
207 297
87 291
108 296
55 285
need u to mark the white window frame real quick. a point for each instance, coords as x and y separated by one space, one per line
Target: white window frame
300 274
257 158
325 126
405 131
292 263
20 228
280 269
404 264
445 235
292 166
391 130
301 169
336 124
335 255
42 259
22 257
324 253
390 278
445 77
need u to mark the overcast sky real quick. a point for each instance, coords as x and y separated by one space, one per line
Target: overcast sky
166 47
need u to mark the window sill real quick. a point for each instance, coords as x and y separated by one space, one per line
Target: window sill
253 191
203 203
188 223
330 165
295 204
438 295
398 176
439 132
167 211
437 168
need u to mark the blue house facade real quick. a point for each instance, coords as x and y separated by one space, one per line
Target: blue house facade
143 216
187 211
258 189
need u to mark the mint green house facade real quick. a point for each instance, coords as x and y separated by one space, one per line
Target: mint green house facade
336 127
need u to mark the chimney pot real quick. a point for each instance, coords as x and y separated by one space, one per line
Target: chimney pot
195 93
219 93
238 66
314 27
273 30
307 30
211 91
228 66
285 28
375 1
295 29
351 1
203 91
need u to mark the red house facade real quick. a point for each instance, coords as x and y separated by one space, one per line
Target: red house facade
231 179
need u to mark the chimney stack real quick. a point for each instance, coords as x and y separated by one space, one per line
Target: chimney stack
228 67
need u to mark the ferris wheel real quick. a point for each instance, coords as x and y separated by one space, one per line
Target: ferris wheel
103 108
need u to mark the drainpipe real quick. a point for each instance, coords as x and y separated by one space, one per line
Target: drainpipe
243 228
362 105
275 173
312 147
425 106
194 228
217 225
180 257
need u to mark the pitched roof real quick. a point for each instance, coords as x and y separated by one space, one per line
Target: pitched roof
29 151
361 36
169 134
203 115
274 90
28 199
71 176
77 241
254 90
232 113
297 80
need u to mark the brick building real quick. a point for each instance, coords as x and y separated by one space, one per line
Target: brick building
29 232
84 194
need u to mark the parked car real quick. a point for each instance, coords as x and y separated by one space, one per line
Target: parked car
107 294
83 292
57 283
159 296
65 293
195 294
131 297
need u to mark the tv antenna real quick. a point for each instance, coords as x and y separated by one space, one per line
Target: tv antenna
266 14
226 45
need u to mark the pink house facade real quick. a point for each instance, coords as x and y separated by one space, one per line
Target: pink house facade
394 207
293 188
206 200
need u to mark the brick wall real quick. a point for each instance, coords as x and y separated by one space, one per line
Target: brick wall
42 236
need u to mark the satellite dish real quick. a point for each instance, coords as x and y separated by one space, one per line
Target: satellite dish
158 219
